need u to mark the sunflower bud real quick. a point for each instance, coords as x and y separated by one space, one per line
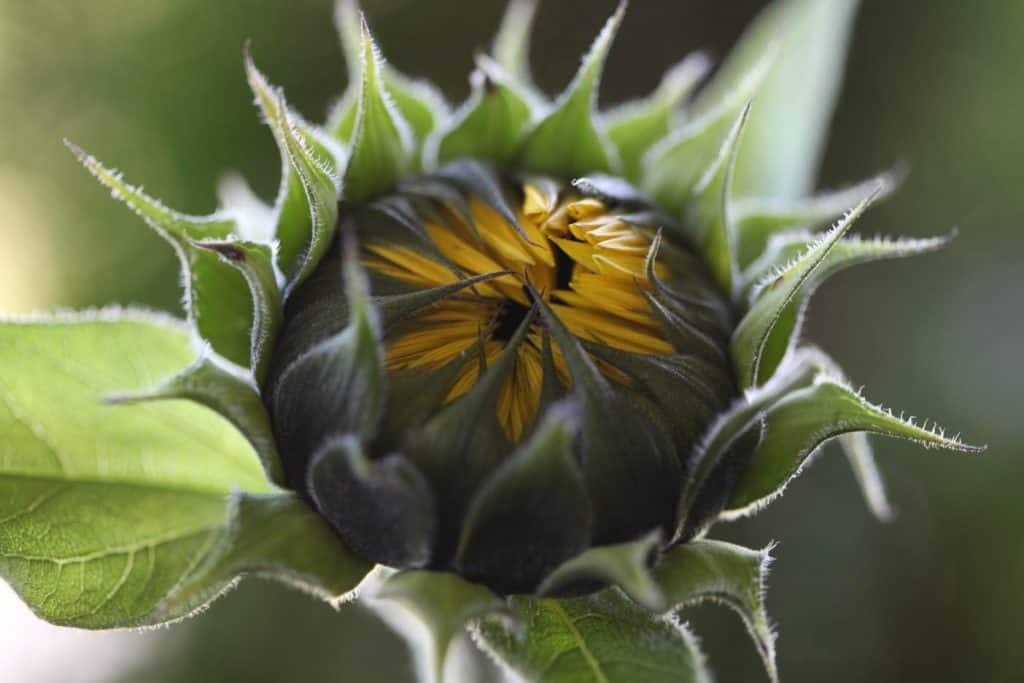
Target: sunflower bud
527 343
527 375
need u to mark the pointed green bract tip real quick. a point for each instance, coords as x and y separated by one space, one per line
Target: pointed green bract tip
570 140
711 209
381 146
511 47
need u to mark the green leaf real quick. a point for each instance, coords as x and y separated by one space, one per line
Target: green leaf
275 536
758 218
569 140
846 252
511 47
635 126
725 442
217 297
381 148
440 606
729 574
256 264
533 512
673 167
418 102
856 447
105 509
788 129
307 201
801 422
626 566
756 348
603 637
234 398
784 249
491 124
710 213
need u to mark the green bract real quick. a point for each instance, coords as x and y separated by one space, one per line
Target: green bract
521 355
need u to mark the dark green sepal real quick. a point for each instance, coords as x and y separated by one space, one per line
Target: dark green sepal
457 459
337 387
532 514
231 396
414 396
704 315
628 460
625 565
685 335
383 509
686 389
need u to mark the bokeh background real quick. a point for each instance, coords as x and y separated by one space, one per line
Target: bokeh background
156 88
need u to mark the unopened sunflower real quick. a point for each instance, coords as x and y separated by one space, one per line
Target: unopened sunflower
520 355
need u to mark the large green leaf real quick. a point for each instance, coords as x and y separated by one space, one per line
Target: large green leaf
603 638
105 509
722 572
236 398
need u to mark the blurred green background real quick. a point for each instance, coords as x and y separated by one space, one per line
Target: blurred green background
156 88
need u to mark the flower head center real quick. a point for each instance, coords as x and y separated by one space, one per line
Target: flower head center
582 257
